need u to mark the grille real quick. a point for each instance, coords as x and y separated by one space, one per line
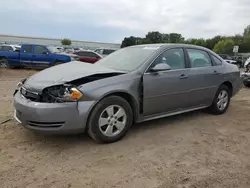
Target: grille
30 95
46 124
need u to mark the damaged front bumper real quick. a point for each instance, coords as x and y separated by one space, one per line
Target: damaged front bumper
68 117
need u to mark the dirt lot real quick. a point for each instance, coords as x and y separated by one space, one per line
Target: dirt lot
186 151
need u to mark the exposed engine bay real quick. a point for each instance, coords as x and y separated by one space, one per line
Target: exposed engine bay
66 92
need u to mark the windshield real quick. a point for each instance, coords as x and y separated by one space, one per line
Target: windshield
127 59
53 49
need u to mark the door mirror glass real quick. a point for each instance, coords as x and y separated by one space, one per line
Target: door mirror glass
160 67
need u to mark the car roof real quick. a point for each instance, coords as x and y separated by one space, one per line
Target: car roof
171 45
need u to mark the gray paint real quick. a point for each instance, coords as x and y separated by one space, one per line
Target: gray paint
164 93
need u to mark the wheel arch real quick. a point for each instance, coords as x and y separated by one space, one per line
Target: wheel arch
126 96
229 85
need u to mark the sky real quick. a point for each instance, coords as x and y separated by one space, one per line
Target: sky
112 20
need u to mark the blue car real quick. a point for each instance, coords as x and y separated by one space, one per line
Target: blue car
31 55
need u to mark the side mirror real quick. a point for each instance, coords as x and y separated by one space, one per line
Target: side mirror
45 53
160 67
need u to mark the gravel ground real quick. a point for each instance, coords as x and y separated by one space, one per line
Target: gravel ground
186 151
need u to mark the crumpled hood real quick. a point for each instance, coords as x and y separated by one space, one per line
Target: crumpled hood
64 73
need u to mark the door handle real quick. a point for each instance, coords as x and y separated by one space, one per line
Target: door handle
33 55
183 76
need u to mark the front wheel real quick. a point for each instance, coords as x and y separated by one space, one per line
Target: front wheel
110 120
221 101
4 63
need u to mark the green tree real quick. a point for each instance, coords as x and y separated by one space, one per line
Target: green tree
224 46
129 41
66 41
154 37
247 31
244 47
176 38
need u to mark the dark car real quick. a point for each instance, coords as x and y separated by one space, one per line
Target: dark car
88 56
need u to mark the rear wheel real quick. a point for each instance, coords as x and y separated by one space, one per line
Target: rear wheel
221 101
4 63
110 120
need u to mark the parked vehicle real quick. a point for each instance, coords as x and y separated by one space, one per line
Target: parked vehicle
31 55
240 60
10 48
247 65
88 56
229 59
104 52
134 84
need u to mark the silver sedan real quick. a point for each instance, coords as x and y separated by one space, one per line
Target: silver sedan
131 85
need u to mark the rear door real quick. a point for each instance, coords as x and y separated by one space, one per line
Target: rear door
26 55
41 56
203 78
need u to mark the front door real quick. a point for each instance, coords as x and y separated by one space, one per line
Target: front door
41 56
166 91
26 55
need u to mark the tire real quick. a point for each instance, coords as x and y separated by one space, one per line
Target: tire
108 131
220 108
4 63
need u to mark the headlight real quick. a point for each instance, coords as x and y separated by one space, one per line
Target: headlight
61 93
19 85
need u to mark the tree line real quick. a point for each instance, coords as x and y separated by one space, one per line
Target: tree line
219 44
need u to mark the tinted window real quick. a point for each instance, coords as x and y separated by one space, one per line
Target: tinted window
216 60
27 49
199 58
87 54
91 54
173 57
107 52
40 50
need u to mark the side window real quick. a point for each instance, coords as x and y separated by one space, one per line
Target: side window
82 54
7 49
173 57
40 50
199 58
216 60
91 54
27 49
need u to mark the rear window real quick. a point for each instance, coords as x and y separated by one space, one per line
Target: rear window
27 49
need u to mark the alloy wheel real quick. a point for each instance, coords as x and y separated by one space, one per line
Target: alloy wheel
3 64
112 120
222 100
